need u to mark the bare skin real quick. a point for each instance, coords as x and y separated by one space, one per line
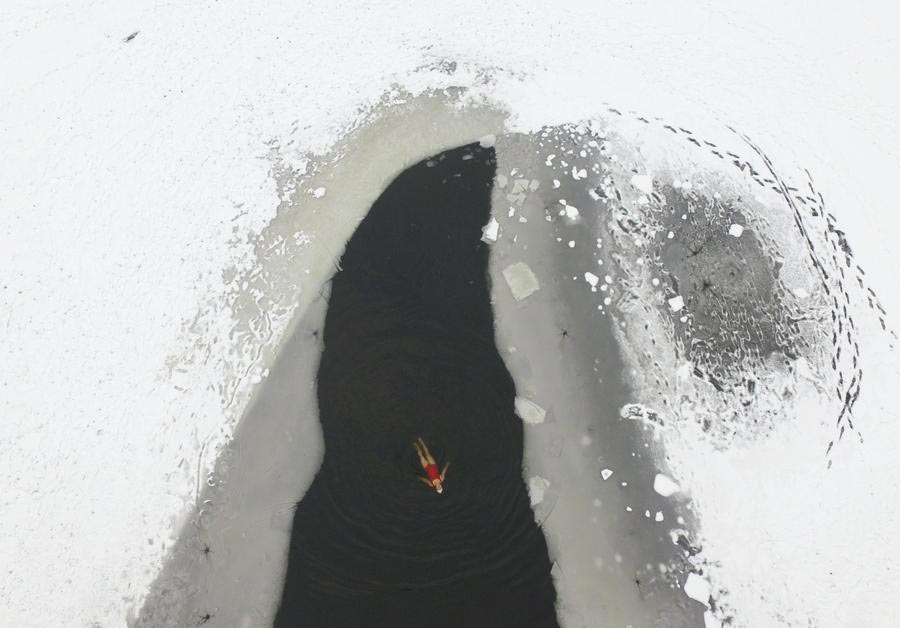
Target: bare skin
426 459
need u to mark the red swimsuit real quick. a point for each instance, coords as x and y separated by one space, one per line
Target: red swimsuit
432 472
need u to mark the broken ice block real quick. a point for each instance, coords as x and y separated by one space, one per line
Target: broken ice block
676 303
529 411
521 280
490 231
697 588
664 485
537 486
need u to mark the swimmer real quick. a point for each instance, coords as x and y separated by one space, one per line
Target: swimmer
435 479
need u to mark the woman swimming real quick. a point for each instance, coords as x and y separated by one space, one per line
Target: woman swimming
435 478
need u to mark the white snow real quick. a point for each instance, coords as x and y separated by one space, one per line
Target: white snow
643 182
710 620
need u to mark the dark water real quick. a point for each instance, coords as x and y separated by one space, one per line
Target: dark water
409 351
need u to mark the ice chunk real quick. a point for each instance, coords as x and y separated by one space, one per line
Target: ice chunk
735 230
521 280
606 473
520 186
318 192
529 411
643 182
676 303
591 278
490 231
556 573
664 485
710 620
537 486
697 588
487 141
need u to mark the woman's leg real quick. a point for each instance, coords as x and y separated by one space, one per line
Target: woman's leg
428 456
423 459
